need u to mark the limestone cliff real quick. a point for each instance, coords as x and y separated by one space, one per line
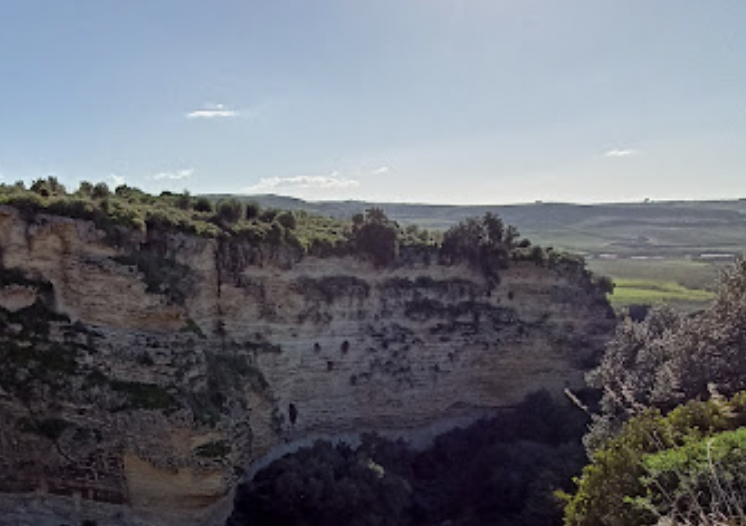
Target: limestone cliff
140 380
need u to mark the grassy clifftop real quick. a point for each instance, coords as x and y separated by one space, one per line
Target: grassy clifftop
485 243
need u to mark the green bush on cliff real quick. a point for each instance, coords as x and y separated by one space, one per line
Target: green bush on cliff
162 275
683 466
130 208
376 236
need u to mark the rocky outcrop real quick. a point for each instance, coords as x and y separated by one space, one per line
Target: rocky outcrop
140 381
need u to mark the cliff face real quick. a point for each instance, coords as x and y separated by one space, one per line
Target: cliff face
138 383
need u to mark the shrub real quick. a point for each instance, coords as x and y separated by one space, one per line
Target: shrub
323 485
100 191
48 187
267 216
632 478
498 472
669 358
229 211
287 220
214 450
605 284
703 481
145 396
376 236
252 210
482 242
85 189
203 204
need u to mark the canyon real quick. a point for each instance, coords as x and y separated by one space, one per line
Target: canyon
142 378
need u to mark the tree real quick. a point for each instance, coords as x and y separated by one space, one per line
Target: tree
100 191
375 236
483 242
85 189
48 187
184 200
203 204
252 210
494 228
287 220
323 485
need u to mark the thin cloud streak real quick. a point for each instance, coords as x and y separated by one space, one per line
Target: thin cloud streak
174 176
302 182
622 153
381 171
212 111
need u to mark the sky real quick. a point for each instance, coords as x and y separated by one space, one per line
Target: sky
438 101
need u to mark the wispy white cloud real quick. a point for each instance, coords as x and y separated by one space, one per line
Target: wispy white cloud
622 152
175 175
212 111
380 170
272 184
115 180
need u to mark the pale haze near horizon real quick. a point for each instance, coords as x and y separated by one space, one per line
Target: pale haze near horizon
441 101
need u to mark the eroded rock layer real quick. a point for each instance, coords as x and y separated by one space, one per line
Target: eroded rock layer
141 378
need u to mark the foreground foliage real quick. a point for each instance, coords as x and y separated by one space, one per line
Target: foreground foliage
667 446
498 472
670 358
688 467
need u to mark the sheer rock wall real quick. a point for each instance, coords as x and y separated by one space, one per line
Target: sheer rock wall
138 382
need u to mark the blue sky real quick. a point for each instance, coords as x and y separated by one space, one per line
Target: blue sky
447 101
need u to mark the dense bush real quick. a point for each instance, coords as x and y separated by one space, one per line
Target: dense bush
665 467
661 455
325 485
203 204
502 471
669 358
484 243
230 211
376 236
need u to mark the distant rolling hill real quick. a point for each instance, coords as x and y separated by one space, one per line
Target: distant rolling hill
667 251
653 229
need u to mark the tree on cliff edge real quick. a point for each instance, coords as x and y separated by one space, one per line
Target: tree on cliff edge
376 236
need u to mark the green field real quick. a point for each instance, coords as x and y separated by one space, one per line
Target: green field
689 273
682 283
655 292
